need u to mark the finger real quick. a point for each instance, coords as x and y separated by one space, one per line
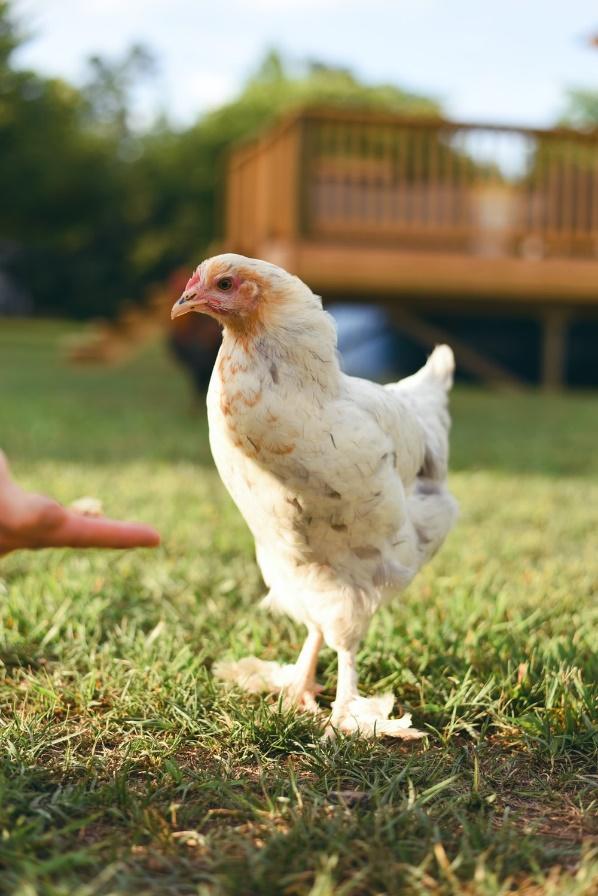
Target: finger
87 532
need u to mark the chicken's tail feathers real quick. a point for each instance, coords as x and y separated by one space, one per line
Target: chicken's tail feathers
425 393
441 365
438 370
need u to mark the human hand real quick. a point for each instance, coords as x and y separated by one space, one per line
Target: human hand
28 520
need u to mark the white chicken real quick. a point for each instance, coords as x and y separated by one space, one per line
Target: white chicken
341 481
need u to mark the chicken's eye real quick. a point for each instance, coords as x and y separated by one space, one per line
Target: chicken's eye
225 283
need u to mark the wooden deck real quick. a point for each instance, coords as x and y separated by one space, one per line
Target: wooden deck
435 277
422 213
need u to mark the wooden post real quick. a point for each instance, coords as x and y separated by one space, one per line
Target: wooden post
554 349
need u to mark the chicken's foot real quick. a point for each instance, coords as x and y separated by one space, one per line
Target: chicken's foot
368 716
296 681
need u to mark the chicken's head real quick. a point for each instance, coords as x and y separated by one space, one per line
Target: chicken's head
237 291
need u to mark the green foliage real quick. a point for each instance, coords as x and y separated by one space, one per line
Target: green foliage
276 88
126 769
64 205
581 110
9 35
108 91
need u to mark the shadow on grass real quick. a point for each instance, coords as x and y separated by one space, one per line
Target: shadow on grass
179 817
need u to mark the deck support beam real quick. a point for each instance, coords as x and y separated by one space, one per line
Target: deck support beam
554 348
467 358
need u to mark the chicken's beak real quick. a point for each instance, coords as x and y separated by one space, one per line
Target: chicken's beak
189 301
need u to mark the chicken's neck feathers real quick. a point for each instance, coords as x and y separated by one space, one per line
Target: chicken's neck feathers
298 348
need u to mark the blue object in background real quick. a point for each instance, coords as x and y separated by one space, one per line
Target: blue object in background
366 340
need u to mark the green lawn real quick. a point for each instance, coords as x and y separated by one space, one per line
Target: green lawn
125 769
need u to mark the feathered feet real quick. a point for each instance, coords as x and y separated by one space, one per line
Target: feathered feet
265 677
369 716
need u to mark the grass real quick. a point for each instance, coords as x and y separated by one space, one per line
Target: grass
125 769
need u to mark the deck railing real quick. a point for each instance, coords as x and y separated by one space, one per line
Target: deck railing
417 183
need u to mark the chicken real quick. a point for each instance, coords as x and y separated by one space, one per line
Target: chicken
341 481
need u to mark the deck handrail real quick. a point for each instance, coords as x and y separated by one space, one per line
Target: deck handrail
420 182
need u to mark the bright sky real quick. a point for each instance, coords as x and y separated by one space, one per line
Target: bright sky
487 60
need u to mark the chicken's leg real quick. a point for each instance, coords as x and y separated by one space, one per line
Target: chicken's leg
366 715
303 689
297 682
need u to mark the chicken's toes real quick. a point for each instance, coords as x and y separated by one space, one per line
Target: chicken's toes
267 677
368 717
255 675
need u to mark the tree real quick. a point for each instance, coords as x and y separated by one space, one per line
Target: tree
109 88
581 108
62 192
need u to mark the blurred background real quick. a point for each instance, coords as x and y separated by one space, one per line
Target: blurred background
431 169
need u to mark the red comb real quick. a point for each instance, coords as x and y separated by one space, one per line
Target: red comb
194 281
